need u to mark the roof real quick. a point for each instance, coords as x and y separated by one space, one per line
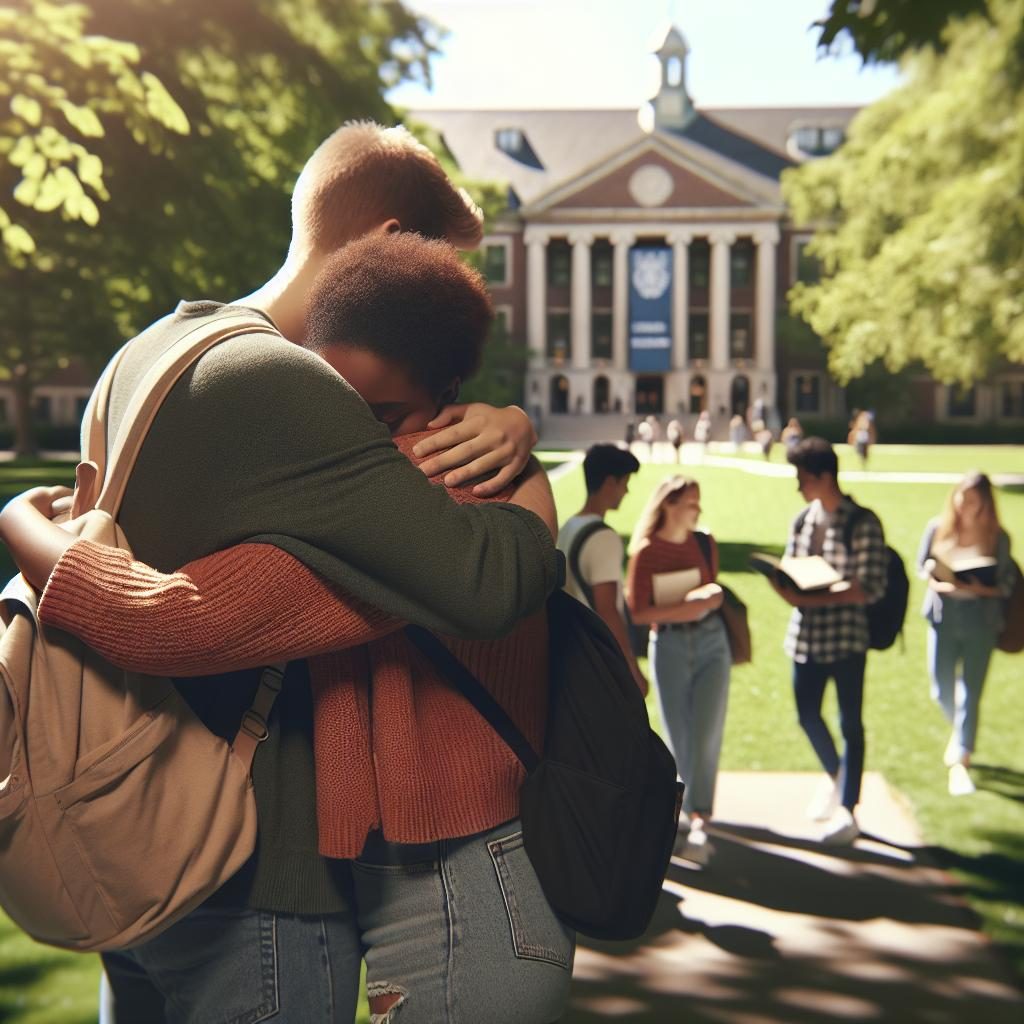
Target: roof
568 141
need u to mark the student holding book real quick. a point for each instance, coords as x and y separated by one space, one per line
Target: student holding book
828 630
965 557
671 586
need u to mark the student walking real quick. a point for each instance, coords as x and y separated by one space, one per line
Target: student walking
828 631
964 610
593 551
689 646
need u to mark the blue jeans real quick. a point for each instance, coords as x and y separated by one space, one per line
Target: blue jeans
959 650
809 681
691 672
453 932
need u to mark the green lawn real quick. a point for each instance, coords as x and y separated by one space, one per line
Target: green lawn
980 837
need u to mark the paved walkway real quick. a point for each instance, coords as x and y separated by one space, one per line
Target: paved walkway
780 930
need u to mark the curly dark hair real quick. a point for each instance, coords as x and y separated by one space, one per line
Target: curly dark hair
407 299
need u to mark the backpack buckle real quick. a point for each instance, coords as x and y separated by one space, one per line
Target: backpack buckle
254 725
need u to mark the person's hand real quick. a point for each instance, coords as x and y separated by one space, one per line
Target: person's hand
941 586
479 439
48 502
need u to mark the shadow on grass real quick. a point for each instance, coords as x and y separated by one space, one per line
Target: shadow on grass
734 556
1004 782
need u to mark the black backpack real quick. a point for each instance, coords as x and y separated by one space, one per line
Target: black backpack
886 615
638 635
600 805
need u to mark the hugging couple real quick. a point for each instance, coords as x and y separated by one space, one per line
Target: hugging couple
300 498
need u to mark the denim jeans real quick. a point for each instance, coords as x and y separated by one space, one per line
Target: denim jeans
452 932
691 672
809 681
959 650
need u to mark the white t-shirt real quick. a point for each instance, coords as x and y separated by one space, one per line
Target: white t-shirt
600 557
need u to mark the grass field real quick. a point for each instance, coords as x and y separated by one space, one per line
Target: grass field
981 837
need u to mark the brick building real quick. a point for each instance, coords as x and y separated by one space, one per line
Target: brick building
644 267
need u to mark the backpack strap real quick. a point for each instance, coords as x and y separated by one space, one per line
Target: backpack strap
150 395
576 550
704 543
142 408
254 728
474 691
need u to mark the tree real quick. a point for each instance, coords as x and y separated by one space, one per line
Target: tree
920 215
260 83
885 30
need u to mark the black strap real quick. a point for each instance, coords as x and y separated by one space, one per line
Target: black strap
704 543
584 534
473 690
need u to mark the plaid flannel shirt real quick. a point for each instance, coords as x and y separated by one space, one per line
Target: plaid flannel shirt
837 631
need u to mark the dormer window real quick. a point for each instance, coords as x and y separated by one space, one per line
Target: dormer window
815 140
514 143
509 140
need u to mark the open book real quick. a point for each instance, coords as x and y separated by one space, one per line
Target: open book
672 587
809 572
981 568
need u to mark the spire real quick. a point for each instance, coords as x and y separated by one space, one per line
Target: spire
673 107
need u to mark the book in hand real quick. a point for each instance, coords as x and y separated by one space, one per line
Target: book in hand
672 587
806 572
977 568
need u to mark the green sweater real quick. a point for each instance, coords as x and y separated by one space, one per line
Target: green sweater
262 441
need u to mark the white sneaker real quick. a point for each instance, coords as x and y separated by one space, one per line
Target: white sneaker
841 830
825 800
960 782
953 751
698 847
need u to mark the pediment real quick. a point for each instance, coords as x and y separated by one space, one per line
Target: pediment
659 174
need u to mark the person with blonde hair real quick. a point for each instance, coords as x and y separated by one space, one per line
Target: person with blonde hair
689 648
964 610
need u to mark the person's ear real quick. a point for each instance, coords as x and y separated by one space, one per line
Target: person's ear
87 482
450 395
390 227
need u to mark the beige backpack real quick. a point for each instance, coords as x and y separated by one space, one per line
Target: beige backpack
119 810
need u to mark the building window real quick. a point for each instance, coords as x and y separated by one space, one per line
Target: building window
1013 399
962 402
559 394
502 326
806 267
601 265
81 404
42 409
698 395
558 337
602 394
807 392
815 140
509 140
496 264
559 264
741 339
741 264
832 139
601 336
700 263
697 341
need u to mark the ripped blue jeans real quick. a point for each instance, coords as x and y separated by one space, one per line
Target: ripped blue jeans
452 932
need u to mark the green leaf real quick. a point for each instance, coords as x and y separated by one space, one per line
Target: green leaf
18 240
82 119
28 109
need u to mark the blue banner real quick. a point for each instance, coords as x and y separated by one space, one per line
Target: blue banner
650 308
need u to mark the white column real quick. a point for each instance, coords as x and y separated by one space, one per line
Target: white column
680 242
581 305
764 324
719 327
622 241
536 296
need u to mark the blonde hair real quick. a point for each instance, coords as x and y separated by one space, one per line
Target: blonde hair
948 530
363 175
653 515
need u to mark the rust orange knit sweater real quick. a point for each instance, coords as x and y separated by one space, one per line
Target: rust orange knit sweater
396 747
